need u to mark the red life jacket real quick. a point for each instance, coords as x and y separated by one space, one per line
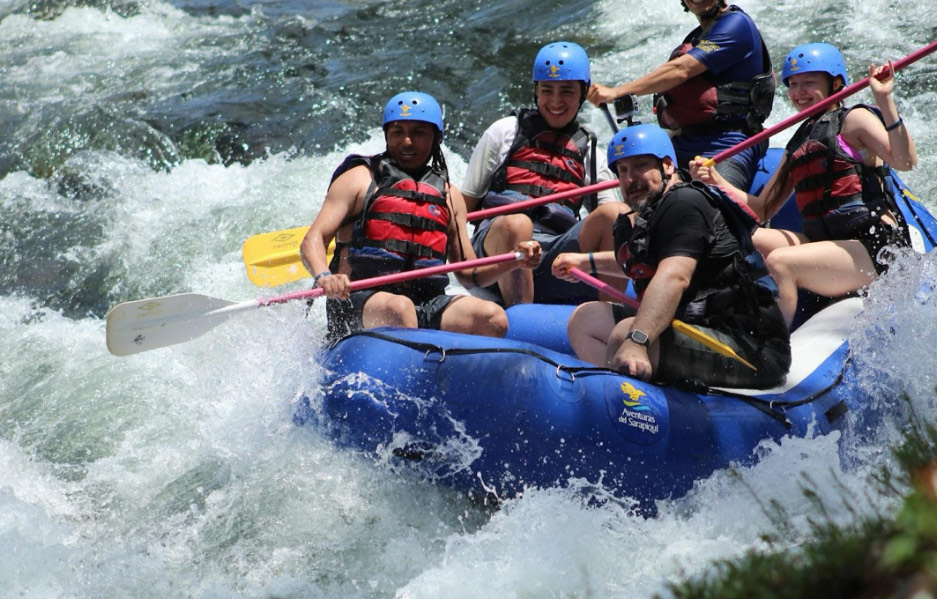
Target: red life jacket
701 104
404 223
825 176
544 161
407 217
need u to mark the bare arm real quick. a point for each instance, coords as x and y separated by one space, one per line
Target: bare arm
864 130
344 198
665 77
605 264
461 249
662 296
762 205
658 307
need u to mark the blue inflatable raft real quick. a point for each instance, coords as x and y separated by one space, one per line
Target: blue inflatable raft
493 417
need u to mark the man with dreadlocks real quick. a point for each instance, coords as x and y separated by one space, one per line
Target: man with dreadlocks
715 91
394 212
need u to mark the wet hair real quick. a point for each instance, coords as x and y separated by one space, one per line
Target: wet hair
712 12
437 160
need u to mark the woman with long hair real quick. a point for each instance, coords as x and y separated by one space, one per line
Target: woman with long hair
835 165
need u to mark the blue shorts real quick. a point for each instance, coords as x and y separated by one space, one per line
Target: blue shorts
547 288
739 170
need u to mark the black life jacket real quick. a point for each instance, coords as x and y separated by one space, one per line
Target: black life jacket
403 225
543 161
739 291
699 105
825 176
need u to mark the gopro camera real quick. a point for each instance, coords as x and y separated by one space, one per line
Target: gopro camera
625 108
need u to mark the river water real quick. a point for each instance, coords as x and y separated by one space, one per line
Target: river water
141 142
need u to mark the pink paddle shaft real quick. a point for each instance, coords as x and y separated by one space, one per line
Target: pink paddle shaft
398 277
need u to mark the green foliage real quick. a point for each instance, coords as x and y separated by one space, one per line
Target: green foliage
871 557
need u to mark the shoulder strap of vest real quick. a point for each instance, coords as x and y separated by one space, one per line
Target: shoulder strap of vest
873 109
741 221
737 215
350 162
824 126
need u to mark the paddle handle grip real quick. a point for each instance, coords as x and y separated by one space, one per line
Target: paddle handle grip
817 108
608 116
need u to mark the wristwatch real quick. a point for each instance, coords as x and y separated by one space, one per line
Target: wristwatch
639 337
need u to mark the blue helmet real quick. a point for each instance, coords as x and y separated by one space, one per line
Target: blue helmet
638 140
814 58
413 106
562 61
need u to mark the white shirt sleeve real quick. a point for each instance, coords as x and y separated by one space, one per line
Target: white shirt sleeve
491 150
603 173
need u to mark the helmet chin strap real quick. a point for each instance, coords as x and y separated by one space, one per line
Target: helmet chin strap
663 184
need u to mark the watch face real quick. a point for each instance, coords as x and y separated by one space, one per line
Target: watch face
639 337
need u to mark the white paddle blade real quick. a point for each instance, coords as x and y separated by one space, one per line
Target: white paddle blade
142 325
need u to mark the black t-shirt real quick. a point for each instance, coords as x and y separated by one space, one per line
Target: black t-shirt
685 223
721 294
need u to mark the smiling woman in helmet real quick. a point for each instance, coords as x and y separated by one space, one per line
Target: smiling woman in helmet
533 153
834 164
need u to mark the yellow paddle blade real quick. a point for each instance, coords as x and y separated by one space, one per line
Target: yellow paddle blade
273 259
710 342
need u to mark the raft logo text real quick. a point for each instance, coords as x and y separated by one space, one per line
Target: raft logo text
635 414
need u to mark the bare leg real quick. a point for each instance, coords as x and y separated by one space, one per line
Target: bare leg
388 309
467 314
516 286
768 240
596 233
827 268
588 329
